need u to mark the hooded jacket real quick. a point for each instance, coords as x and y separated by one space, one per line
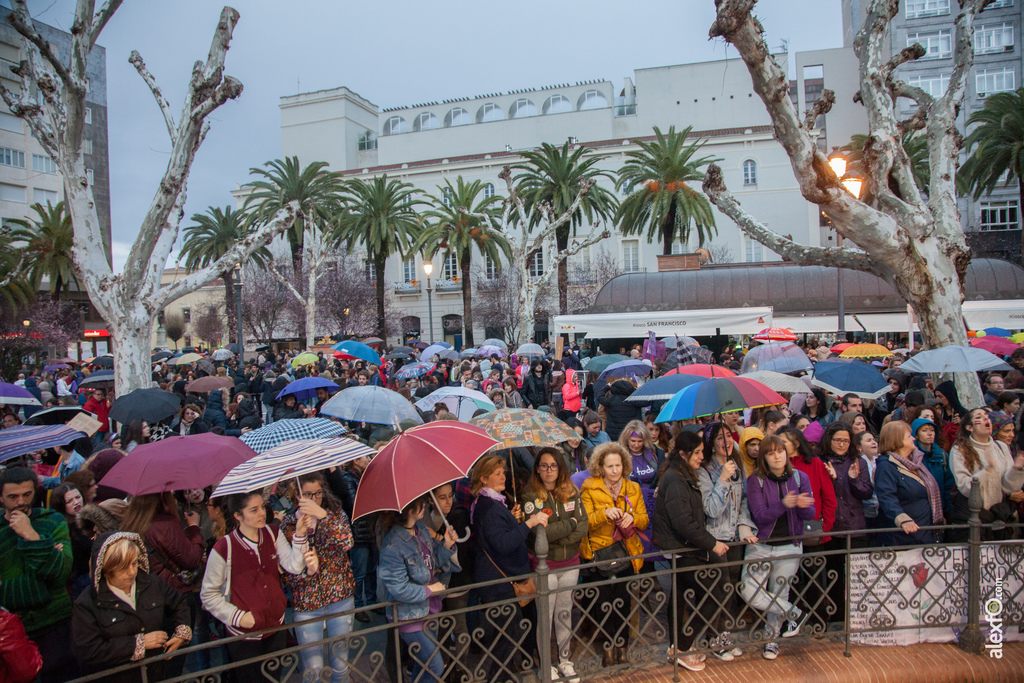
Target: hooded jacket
937 462
948 389
619 412
32 388
249 415
215 416
109 633
748 435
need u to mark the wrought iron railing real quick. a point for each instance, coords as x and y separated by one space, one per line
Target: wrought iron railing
844 591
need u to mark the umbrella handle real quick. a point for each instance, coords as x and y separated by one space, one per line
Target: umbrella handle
437 507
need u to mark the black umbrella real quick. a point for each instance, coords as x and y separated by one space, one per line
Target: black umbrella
400 352
101 378
160 355
104 361
151 405
56 416
233 348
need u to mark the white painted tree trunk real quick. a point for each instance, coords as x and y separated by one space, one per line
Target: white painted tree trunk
915 243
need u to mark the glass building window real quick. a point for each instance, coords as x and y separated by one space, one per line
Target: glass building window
520 109
631 256
937 44
917 9
426 121
537 263
750 172
999 215
488 190
557 104
367 141
988 81
457 117
489 112
993 38
12 157
395 125
591 99
450 268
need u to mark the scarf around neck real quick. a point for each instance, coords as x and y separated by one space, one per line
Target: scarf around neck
486 493
917 468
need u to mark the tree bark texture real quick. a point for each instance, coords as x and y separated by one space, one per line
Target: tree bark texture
915 243
467 298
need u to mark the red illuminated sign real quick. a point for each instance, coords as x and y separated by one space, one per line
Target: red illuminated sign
96 333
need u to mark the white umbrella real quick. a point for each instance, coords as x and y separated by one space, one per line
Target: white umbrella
494 341
461 401
530 350
954 359
222 354
779 382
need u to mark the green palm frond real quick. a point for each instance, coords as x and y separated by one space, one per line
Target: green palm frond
996 144
659 178
213 233
450 231
17 292
381 215
915 145
48 240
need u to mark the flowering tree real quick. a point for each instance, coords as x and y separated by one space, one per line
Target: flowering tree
349 301
51 100
265 303
208 323
51 324
914 242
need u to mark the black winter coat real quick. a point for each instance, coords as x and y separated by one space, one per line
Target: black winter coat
620 413
536 391
105 628
679 521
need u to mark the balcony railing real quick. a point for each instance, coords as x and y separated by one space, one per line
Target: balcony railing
453 285
408 287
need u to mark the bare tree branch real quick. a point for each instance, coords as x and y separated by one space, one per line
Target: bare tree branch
165 107
100 19
822 106
21 20
907 54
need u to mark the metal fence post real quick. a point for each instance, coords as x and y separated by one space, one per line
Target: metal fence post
970 638
543 606
848 561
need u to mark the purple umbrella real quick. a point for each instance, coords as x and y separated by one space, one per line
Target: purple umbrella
15 441
13 395
489 351
56 366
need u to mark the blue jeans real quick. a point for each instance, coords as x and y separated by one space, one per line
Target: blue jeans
337 621
364 571
423 646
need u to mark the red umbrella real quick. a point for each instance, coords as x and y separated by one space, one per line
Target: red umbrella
996 345
775 334
839 348
416 461
701 371
177 463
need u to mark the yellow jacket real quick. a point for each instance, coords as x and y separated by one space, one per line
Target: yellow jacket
597 499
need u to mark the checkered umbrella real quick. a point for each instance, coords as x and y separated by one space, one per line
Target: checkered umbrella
514 427
414 370
275 434
15 441
290 459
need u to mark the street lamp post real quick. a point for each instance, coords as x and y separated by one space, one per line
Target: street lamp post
428 268
238 311
852 183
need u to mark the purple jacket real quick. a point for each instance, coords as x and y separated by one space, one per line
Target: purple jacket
850 494
766 508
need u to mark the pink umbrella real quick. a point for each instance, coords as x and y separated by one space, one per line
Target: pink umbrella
775 334
997 345
416 461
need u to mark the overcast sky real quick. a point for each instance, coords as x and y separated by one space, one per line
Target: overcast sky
392 54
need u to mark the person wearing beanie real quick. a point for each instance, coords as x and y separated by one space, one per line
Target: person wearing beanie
935 459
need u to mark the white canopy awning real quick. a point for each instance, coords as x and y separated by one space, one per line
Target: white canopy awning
696 322
1007 313
868 322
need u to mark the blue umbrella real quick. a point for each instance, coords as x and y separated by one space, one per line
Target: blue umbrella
997 332
414 370
13 395
663 388
436 348
305 388
954 359
265 438
376 405
718 395
781 357
842 376
468 353
358 350
625 368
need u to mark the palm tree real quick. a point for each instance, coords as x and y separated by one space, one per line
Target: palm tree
48 240
380 214
554 175
998 144
317 190
455 227
212 234
660 199
915 145
15 292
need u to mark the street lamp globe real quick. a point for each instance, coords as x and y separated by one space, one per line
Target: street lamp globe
853 184
428 268
837 160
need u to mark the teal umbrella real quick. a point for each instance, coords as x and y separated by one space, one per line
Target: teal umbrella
600 363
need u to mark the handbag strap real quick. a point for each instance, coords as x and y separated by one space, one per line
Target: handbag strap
503 574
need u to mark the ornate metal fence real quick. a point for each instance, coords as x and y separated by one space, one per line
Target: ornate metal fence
847 590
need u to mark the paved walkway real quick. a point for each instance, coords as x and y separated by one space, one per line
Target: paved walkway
823 662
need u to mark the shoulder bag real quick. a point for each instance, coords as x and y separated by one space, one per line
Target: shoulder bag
525 590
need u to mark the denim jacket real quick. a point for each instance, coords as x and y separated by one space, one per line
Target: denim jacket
725 505
403 576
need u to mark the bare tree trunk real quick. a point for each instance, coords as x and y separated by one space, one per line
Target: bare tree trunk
467 297
378 269
312 275
562 241
666 232
229 301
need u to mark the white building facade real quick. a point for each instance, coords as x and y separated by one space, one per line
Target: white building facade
476 137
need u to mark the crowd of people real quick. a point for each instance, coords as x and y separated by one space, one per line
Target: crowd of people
125 578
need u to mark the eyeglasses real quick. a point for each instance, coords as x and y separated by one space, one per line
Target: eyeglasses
841 442
548 467
314 495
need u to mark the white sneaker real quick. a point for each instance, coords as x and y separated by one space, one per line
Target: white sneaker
554 674
792 629
771 651
569 671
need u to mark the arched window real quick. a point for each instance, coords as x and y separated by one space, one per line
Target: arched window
446 196
489 112
395 125
750 172
557 104
450 269
457 117
426 121
520 109
591 99
488 190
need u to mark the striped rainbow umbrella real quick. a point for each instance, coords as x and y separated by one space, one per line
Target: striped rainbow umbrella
719 395
290 459
15 441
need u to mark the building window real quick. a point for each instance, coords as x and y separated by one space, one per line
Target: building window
10 122
88 114
631 256
537 263
933 84
367 141
489 112
89 175
490 268
41 196
927 8
592 99
937 44
557 104
992 38
753 251
446 196
395 125
457 117
520 109
409 270
999 215
450 268
488 190
12 157
371 271
12 193
43 164
988 81
426 121
1000 3
750 172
